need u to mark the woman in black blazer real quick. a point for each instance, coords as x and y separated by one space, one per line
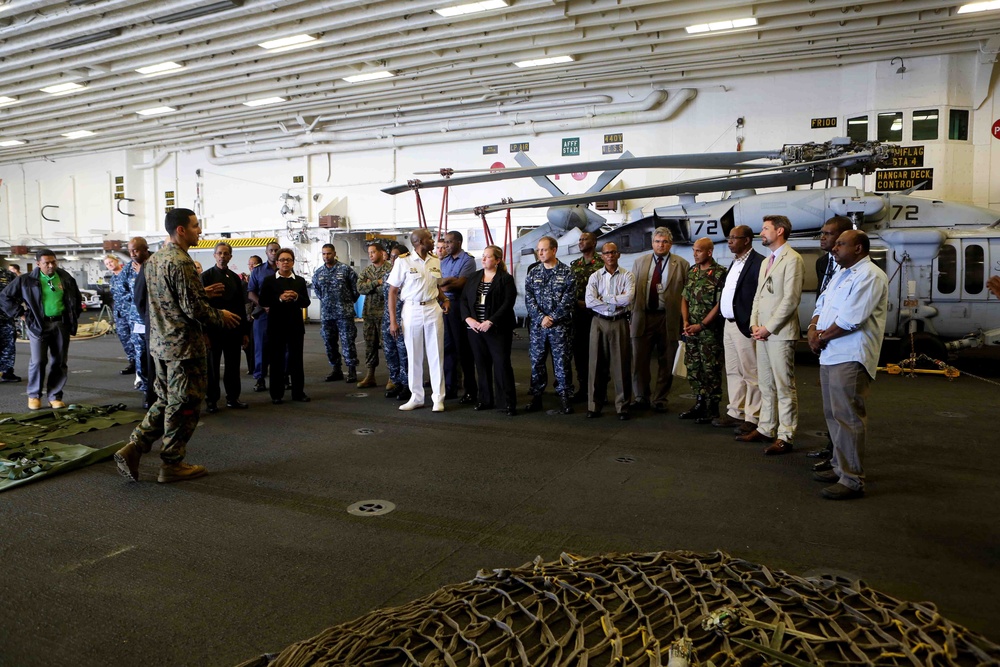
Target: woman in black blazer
285 295
488 308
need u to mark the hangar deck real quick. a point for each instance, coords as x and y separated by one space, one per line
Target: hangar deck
262 552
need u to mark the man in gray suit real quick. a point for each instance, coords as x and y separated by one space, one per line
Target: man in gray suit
656 319
774 322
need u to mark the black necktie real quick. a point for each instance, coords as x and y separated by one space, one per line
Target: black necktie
653 300
827 275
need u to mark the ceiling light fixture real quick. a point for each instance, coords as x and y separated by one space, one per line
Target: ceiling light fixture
194 13
369 76
11 142
545 61
78 134
470 8
264 100
86 39
286 43
717 26
156 111
168 66
62 88
4 100
979 7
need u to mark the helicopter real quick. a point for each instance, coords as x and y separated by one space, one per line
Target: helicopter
937 254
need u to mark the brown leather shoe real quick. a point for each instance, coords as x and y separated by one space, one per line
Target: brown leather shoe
779 446
178 472
725 421
753 436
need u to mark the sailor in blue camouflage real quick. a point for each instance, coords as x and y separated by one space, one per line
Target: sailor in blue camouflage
336 285
8 333
549 295
394 348
121 296
138 249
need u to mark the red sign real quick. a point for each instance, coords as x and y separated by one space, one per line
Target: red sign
495 166
996 130
579 175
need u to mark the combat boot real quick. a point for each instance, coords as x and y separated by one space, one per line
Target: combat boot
352 374
178 472
697 410
369 379
391 390
404 394
9 377
335 375
711 413
535 405
567 407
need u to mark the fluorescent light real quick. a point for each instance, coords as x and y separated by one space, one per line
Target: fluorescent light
369 76
159 69
545 61
78 134
264 100
61 88
4 100
979 7
204 10
11 142
156 111
717 26
285 43
471 8
86 39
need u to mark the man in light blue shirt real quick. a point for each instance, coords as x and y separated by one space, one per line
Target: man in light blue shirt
846 332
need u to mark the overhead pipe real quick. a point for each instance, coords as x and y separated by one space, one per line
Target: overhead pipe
627 118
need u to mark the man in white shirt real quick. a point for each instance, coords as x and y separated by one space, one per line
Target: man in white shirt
610 294
414 278
846 332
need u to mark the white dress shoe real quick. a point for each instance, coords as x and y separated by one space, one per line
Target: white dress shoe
411 405
438 407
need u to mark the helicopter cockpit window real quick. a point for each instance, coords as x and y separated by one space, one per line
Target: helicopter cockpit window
958 124
857 128
890 126
879 258
975 266
925 125
947 269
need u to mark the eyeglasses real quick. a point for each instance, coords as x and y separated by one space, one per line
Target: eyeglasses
285 259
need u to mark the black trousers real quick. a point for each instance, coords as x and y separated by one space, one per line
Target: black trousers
282 342
582 317
491 351
229 346
458 353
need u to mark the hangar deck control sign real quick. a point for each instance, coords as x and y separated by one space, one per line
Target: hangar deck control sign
894 180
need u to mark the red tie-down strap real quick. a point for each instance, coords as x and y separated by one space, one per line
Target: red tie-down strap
414 185
486 227
508 246
443 220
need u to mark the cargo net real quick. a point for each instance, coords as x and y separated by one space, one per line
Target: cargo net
672 608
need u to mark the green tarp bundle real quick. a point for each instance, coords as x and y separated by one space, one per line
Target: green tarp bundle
31 447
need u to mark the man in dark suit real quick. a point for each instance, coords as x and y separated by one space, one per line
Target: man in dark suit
741 356
656 319
225 291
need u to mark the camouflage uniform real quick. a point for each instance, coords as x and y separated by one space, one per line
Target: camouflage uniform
337 289
8 329
583 316
178 313
395 348
121 294
139 340
703 351
550 292
374 309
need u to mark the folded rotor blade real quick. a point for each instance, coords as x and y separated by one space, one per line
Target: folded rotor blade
609 175
543 182
727 161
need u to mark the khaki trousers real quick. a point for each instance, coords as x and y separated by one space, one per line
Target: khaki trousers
779 401
610 354
741 374
845 389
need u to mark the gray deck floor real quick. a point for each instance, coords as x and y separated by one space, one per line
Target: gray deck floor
261 553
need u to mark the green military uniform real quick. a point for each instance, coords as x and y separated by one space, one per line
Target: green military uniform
582 317
178 313
368 284
703 350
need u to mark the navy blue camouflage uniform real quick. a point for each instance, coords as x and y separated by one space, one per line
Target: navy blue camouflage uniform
8 329
394 348
550 292
139 340
337 289
121 295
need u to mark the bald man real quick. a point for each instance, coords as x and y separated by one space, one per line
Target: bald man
414 279
703 332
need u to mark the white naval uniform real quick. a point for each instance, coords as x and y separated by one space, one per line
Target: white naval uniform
423 324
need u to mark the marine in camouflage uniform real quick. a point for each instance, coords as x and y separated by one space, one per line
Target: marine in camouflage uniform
8 334
395 350
371 283
336 285
178 314
582 269
121 295
550 292
703 354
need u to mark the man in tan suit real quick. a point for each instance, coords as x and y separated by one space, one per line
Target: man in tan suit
656 319
774 321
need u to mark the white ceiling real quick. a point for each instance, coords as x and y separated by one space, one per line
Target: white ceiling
456 66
